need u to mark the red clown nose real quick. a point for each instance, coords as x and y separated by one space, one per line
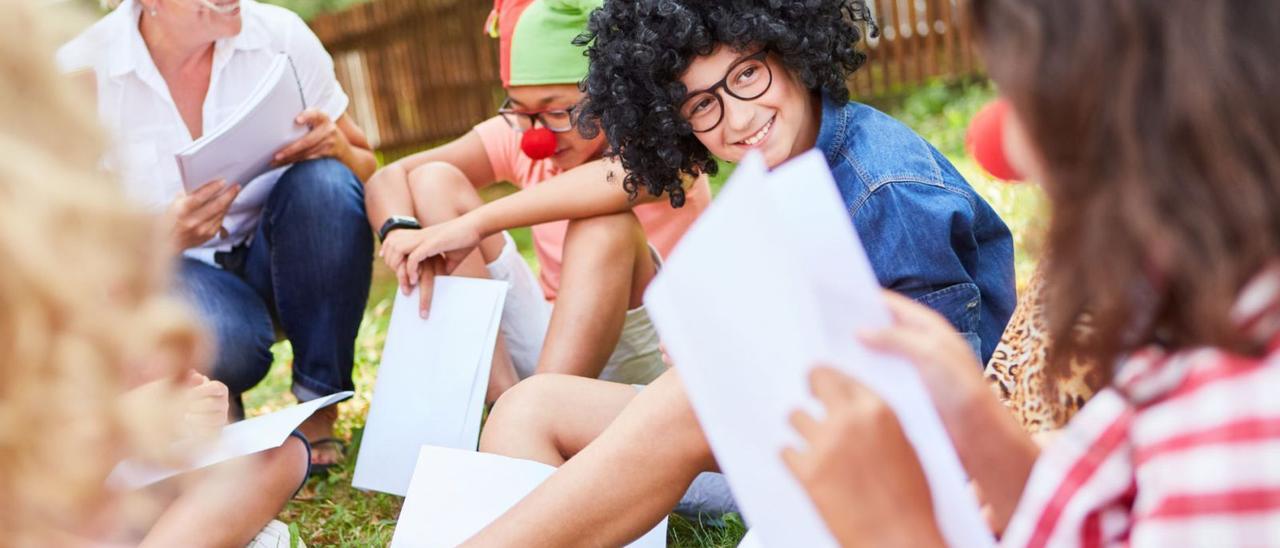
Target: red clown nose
985 141
538 143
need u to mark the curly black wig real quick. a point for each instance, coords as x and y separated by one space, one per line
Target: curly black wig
639 49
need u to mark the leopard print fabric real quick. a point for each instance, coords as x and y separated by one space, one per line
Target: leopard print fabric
1016 372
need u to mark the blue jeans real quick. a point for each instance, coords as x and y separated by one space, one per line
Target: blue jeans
306 271
708 499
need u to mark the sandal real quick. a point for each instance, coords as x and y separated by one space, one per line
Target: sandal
323 469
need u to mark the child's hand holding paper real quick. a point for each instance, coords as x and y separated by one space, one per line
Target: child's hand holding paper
857 464
859 469
207 402
986 437
945 361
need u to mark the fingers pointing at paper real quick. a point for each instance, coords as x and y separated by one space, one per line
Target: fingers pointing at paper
453 240
417 256
394 251
859 469
427 271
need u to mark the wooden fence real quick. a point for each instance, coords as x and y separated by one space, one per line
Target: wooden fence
920 40
417 71
422 71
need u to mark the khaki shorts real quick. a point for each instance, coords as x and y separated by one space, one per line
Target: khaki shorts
637 359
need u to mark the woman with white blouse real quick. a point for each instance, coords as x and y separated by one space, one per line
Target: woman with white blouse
287 252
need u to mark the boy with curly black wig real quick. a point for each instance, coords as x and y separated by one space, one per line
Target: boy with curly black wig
674 85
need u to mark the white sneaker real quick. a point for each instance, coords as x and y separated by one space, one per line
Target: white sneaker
274 535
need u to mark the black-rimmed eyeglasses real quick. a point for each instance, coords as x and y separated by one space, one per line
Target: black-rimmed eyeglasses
557 120
747 79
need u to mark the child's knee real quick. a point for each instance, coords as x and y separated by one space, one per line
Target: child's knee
287 464
443 181
674 417
523 411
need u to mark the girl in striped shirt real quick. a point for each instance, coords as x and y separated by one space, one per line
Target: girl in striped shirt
1154 129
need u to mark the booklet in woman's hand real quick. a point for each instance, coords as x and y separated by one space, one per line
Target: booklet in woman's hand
241 148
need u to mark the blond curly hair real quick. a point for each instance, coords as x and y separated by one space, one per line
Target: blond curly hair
84 314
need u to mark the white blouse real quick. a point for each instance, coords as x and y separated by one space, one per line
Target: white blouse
135 106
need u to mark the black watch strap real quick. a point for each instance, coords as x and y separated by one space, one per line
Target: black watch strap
394 222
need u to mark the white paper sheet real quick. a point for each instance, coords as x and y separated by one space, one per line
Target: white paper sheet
238 439
432 379
770 280
457 493
241 148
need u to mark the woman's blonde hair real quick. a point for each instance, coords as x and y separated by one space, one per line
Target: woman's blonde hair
84 316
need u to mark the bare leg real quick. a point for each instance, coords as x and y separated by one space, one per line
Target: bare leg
387 194
620 485
607 266
549 418
230 503
320 426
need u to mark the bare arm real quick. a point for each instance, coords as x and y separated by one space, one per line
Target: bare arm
589 190
466 153
992 446
359 155
387 192
340 139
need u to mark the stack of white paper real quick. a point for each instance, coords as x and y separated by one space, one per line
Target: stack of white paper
242 147
456 493
769 281
432 379
236 440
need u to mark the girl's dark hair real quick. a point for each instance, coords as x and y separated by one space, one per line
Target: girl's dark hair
640 48
1159 129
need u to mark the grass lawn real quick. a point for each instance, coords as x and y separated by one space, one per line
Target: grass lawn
331 513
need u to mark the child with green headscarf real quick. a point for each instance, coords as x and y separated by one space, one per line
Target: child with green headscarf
597 245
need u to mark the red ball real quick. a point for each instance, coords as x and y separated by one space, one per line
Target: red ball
538 143
985 141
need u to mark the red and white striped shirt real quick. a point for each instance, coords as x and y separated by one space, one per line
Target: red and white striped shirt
1182 450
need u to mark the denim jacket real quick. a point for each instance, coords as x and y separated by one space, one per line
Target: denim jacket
927 233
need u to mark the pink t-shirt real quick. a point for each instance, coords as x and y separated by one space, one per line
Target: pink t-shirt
663 224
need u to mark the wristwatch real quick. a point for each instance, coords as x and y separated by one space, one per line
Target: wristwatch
397 221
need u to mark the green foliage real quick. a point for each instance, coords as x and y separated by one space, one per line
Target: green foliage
941 112
683 532
329 512
295 537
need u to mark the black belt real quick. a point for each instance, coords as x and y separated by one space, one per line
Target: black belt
233 259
